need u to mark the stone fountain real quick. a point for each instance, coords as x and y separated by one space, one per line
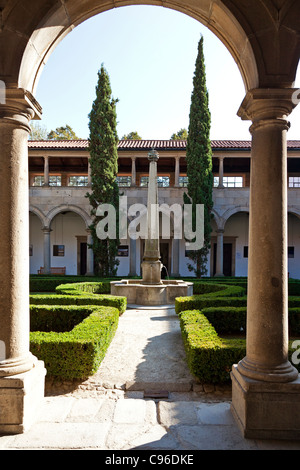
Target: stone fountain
151 289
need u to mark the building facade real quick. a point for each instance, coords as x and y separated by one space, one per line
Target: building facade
59 179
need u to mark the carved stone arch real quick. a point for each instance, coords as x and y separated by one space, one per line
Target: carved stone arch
68 208
231 212
36 211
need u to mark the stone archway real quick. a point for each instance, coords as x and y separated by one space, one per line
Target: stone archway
264 40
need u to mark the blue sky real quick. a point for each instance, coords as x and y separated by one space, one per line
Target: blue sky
149 53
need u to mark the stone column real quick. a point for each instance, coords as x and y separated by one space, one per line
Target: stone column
219 257
132 259
90 255
46 171
47 250
221 172
177 171
89 173
21 375
151 265
133 171
266 387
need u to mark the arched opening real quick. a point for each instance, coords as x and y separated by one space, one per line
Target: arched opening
58 23
36 247
265 44
154 99
68 242
294 245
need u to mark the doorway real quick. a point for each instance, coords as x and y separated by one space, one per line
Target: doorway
164 258
81 255
227 259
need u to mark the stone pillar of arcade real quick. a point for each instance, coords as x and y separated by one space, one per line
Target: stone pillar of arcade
265 385
22 376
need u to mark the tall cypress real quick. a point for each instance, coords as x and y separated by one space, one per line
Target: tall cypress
199 160
103 148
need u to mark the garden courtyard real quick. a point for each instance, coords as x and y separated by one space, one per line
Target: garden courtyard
134 377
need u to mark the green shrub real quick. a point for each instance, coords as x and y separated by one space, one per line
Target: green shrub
210 358
77 353
57 318
80 299
76 288
227 320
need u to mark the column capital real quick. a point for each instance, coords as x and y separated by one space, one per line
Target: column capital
261 104
19 107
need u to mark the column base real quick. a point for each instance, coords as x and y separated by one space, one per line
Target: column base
20 398
266 410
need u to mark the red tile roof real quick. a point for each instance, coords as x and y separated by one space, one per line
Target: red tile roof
149 144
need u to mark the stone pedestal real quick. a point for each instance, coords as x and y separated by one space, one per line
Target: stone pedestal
265 410
151 271
20 398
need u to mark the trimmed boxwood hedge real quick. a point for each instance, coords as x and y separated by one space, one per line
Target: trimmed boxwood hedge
213 312
209 357
80 299
48 283
71 333
76 288
212 295
74 354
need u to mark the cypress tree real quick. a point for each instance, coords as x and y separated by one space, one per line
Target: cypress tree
199 160
103 148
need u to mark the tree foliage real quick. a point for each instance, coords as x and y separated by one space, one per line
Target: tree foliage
182 134
199 159
63 133
38 131
103 146
132 136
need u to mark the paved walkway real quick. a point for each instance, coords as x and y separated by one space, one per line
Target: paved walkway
142 398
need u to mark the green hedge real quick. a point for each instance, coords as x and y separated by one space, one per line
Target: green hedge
46 283
74 354
210 357
76 288
80 299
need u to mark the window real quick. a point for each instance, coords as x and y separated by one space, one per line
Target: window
58 250
123 181
162 181
30 250
38 181
229 181
294 181
53 180
78 181
123 250
183 181
245 252
144 181
291 252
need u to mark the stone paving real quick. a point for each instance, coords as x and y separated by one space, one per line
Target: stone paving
117 411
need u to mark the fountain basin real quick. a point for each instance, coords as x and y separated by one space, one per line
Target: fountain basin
138 292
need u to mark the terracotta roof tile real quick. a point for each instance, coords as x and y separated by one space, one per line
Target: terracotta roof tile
149 144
